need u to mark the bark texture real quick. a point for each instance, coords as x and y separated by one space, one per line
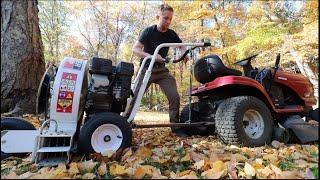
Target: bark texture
22 60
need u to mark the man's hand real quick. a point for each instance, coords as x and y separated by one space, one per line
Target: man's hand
186 59
159 59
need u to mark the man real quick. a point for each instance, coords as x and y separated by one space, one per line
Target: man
148 41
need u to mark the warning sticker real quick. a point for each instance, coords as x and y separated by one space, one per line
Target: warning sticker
73 64
64 105
66 92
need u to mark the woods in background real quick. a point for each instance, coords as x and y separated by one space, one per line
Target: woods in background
83 29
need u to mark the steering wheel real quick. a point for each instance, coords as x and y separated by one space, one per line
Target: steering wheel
246 61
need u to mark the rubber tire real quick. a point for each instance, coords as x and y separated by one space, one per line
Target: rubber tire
229 121
96 120
14 123
184 117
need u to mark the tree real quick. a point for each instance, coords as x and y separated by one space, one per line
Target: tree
22 63
53 24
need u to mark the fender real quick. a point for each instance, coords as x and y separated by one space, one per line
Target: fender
245 81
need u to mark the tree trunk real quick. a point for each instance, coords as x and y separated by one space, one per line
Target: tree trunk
22 60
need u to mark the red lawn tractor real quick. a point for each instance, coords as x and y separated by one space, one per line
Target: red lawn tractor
252 107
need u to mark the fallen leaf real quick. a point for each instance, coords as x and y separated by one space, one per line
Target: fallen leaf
11 175
288 175
270 157
117 170
183 173
108 153
265 172
309 174
232 172
58 173
191 175
127 155
219 169
86 166
186 158
102 170
249 170
73 170
143 152
198 165
276 169
275 144
238 158
88 176
26 175
257 166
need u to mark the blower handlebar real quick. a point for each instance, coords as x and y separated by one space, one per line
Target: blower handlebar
167 60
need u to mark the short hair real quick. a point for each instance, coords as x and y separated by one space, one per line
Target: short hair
164 7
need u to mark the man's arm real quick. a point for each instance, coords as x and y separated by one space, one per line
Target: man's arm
138 50
182 50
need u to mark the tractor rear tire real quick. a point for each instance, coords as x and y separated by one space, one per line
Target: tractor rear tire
244 120
14 123
103 132
184 117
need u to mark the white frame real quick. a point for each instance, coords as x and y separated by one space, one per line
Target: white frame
148 74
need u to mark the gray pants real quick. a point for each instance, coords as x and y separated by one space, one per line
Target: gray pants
162 77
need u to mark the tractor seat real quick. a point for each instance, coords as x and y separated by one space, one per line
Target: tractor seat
210 67
215 61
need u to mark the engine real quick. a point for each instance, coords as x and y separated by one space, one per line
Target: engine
109 87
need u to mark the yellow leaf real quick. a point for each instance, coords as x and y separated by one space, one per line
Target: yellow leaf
143 152
270 157
186 158
142 171
58 173
219 169
183 173
257 166
117 170
265 172
249 170
73 170
191 175
102 169
86 166
108 153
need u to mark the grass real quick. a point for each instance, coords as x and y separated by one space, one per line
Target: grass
287 164
315 172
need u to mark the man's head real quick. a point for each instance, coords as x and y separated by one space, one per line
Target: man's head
164 17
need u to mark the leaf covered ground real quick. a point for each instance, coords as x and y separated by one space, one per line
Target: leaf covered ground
157 153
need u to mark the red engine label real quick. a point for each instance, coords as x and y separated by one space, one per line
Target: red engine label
73 64
66 92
